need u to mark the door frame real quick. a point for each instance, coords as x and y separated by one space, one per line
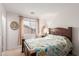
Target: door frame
1 34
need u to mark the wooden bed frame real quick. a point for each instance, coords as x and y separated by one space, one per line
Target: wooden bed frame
56 31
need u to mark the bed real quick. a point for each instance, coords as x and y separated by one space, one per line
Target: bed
57 43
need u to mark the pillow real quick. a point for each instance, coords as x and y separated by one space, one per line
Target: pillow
49 36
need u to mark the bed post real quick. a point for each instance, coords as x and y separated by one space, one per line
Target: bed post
70 31
23 45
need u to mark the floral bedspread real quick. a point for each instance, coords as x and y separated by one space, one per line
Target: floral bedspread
51 45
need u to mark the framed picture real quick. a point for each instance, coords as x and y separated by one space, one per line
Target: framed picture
14 25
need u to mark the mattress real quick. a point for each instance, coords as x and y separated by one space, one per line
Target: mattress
51 45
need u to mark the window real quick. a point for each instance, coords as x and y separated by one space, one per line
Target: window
30 28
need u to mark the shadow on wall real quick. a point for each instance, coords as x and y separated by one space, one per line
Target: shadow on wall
75 40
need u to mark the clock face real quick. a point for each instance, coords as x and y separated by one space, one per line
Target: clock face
14 25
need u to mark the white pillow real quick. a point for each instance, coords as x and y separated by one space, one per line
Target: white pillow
49 36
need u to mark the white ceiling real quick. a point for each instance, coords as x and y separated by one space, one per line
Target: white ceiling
25 9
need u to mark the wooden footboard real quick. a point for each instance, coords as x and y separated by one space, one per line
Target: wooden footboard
23 45
26 51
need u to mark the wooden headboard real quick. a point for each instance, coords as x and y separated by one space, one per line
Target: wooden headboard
62 31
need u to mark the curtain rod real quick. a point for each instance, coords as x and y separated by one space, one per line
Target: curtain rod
31 18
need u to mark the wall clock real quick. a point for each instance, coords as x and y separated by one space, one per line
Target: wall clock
14 25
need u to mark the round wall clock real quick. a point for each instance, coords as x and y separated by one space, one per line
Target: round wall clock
14 25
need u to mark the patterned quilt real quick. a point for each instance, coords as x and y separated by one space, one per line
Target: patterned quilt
51 45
